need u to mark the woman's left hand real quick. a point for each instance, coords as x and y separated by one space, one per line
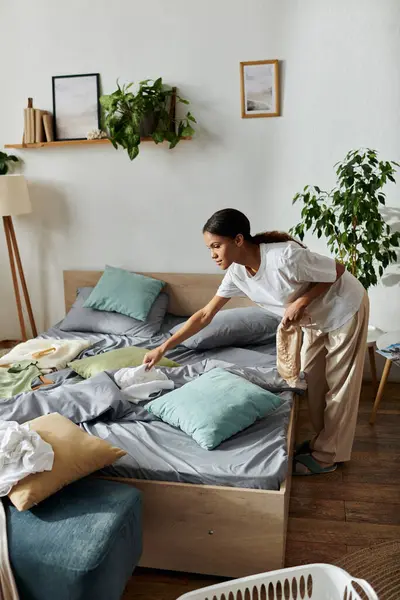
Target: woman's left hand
294 312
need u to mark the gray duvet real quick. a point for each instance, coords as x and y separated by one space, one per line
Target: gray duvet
254 458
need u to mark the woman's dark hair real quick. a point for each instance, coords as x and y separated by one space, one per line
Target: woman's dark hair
229 222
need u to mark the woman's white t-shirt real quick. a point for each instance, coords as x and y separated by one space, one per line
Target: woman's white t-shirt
286 272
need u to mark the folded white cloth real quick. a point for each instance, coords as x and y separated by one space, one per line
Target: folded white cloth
22 452
49 353
139 384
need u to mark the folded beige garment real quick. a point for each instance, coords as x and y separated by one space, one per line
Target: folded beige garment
288 347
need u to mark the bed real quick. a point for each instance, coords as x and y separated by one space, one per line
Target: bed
210 529
219 513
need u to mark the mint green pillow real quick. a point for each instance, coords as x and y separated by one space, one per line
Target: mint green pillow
124 292
113 360
214 406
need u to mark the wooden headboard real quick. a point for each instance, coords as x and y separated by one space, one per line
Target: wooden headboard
187 292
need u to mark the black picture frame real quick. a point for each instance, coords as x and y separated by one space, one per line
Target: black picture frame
90 118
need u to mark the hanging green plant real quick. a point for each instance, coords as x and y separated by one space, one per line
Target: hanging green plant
5 159
349 216
148 112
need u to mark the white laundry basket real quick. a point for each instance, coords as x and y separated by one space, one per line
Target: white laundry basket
318 582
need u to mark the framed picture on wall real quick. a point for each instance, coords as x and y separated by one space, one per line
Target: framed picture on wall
259 83
76 106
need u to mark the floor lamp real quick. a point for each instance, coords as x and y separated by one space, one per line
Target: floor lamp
14 200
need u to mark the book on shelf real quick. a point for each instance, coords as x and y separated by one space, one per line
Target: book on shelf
38 125
48 126
26 132
29 125
39 130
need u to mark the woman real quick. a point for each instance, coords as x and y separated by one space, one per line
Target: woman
281 275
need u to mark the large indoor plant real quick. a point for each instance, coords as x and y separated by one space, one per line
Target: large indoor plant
349 215
130 115
5 159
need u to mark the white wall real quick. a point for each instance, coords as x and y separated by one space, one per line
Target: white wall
340 89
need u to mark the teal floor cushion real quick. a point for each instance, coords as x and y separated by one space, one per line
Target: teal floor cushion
83 543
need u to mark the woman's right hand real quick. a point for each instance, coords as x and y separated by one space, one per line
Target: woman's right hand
153 357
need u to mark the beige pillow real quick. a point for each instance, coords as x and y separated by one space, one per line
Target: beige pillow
76 454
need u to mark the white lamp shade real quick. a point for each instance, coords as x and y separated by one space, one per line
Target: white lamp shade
14 196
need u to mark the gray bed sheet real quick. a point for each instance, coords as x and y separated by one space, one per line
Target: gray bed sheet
254 458
257 356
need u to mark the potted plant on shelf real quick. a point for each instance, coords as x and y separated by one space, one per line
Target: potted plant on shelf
349 216
149 112
5 160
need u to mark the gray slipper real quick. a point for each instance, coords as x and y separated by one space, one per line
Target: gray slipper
314 468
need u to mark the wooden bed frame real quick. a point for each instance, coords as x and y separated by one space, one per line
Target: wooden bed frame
214 530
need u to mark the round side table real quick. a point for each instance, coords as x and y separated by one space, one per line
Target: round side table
383 341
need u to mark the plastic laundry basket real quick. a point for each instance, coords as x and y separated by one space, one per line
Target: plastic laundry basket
318 582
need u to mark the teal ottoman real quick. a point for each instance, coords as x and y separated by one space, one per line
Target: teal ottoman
83 543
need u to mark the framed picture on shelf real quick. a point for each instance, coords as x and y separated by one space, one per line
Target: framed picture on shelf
259 84
76 106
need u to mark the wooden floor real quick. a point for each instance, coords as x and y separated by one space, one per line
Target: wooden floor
330 515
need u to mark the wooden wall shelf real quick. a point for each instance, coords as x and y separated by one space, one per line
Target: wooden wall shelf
70 143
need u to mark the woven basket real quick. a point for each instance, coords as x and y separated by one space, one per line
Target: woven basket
379 565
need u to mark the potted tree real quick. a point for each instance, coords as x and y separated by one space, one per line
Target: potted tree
149 112
349 216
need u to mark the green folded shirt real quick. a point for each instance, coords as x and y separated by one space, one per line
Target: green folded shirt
18 378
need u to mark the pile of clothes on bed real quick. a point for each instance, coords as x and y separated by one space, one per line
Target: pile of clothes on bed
26 365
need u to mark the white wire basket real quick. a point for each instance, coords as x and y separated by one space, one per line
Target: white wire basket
316 582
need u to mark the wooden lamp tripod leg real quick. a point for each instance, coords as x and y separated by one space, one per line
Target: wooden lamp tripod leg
22 278
14 276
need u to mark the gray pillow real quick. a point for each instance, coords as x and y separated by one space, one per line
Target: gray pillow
100 321
234 327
